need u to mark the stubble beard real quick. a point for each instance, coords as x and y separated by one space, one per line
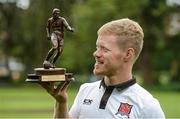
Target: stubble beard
98 71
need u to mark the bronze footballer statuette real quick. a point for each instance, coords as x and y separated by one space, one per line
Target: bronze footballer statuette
55 33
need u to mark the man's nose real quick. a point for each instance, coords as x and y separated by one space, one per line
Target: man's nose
97 53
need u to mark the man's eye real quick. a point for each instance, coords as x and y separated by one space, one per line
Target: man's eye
105 49
101 48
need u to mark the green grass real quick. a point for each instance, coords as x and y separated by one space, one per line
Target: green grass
32 101
29 101
170 103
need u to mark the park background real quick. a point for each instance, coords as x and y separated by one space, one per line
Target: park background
23 46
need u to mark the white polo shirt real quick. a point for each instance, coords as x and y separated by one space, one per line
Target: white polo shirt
127 100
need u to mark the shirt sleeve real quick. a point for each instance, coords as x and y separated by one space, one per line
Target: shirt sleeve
152 110
75 109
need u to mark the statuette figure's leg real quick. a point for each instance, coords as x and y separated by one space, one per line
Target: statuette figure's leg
59 50
47 63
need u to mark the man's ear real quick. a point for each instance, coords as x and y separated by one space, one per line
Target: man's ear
129 54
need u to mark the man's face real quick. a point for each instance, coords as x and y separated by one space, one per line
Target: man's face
108 55
56 15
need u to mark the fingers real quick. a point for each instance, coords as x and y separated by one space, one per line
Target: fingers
63 86
51 88
48 86
45 85
56 89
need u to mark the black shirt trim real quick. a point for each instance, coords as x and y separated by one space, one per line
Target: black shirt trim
109 90
120 86
105 97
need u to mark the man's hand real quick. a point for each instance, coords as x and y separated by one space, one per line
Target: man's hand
58 92
71 29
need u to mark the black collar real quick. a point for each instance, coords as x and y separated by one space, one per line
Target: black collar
120 86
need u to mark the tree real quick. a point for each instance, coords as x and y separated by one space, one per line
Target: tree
8 11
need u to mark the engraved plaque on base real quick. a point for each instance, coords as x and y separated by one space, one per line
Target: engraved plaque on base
49 75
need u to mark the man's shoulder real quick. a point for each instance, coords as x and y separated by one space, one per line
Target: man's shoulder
50 19
62 18
143 97
141 92
90 85
145 100
150 106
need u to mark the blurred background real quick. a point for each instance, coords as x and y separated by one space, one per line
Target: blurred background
23 47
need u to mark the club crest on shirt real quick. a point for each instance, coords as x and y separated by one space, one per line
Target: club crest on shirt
124 109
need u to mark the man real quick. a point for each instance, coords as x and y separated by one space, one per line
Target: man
117 95
55 33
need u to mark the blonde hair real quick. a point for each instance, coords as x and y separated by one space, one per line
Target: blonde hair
128 32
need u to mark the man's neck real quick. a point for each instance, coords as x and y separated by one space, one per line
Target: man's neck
55 18
118 78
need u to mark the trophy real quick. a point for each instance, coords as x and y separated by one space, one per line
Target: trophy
55 33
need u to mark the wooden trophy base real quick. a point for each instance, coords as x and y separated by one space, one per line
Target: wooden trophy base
49 75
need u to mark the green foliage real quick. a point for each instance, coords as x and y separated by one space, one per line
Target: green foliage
29 44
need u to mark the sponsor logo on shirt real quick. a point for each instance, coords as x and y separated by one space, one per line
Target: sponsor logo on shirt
87 101
124 109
